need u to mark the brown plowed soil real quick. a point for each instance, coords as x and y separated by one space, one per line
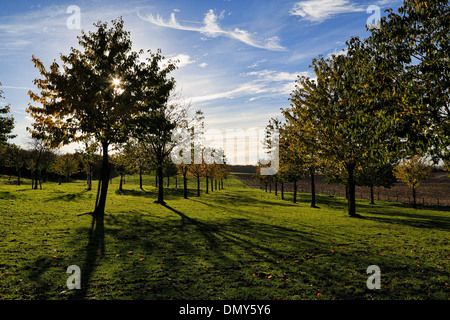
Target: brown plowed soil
432 192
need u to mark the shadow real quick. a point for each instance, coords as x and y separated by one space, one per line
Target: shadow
6 195
95 249
415 219
71 196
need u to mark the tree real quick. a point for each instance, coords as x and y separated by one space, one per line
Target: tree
100 93
375 176
39 162
413 172
187 153
66 165
16 157
90 160
123 164
417 39
345 109
155 128
6 122
169 170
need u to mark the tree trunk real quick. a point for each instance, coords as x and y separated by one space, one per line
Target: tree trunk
168 181
282 190
100 208
207 186
312 171
295 191
88 180
351 190
276 187
160 185
414 197
36 179
185 185
140 178
121 183
198 186
371 195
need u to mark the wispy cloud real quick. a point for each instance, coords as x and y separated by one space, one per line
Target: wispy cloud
262 84
211 28
321 10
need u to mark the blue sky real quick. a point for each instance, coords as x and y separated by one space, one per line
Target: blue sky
238 59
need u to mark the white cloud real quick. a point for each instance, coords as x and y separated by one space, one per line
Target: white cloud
212 29
181 60
203 65
263 84
321 10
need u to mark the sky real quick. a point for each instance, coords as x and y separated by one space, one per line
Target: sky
238 60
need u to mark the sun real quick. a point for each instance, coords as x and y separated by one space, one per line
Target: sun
116 82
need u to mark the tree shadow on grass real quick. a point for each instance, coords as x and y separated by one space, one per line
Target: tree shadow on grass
199 256
71 196
95 249
395 213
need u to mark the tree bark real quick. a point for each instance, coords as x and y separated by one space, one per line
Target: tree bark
282 190
295 191
351 190
185 186
121 183
414 197
198 186
371 195
140 178
207 186
312 171
160 185
100 208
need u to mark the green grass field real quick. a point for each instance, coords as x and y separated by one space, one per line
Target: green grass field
236 243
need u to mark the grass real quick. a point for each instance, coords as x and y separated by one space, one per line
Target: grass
236 243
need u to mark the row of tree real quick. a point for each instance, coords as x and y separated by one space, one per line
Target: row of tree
122 107
134 158
384 100
41 163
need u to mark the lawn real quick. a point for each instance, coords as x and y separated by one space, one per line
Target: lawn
236 243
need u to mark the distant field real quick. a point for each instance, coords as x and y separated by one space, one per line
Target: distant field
236 243
432 192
